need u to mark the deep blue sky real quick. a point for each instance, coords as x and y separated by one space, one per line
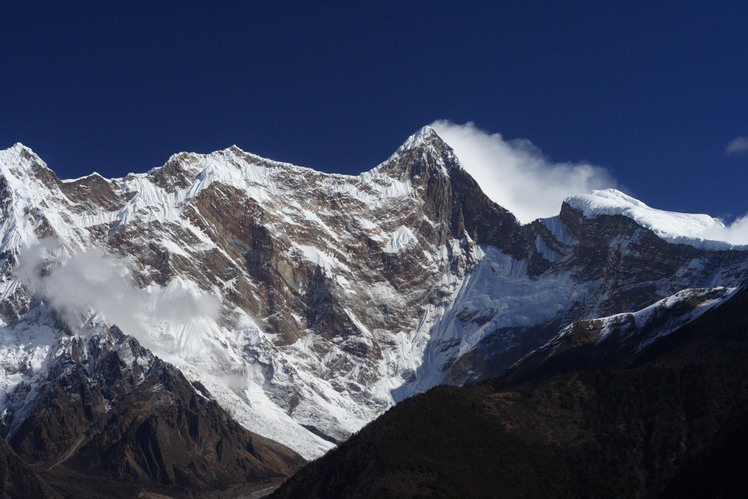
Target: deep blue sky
653 91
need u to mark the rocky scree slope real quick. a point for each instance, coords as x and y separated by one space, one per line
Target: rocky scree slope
305 303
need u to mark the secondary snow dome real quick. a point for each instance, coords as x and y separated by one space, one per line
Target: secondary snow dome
698 230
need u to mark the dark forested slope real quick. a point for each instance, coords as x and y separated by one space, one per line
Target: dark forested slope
668 420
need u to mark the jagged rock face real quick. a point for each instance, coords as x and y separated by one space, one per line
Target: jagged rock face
635 266
336 296
107 407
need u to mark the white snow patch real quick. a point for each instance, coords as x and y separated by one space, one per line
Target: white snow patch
644 316
399 240
323 259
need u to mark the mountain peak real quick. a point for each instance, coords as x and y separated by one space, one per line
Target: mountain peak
425 143
20 166
17 148
20 147
423 136
19 151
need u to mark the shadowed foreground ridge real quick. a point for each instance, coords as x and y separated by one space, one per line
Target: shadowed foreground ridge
667 422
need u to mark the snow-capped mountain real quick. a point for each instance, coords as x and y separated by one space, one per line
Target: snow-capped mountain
306 303
686 228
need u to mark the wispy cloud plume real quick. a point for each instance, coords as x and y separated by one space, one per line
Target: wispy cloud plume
516 175
738 145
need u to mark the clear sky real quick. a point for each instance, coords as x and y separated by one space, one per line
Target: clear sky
652 92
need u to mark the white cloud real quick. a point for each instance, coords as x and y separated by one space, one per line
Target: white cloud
738 145
736 233
95 282
516 175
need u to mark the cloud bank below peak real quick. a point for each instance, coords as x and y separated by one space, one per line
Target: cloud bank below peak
516 175
95 282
